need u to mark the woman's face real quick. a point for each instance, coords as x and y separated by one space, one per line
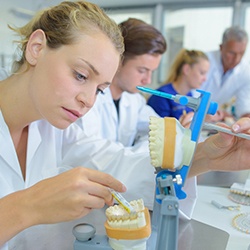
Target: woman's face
197 73
65 81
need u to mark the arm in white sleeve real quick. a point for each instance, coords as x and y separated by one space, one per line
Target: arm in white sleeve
242 102
133 168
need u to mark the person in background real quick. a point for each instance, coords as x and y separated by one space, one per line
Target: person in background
187 72
122 112
229 73
51 174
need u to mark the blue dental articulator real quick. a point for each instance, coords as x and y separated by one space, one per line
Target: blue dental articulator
169 183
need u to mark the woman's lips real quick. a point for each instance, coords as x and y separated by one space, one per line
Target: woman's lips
72 114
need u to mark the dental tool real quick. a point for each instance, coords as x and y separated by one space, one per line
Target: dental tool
220 206
211 126
122 201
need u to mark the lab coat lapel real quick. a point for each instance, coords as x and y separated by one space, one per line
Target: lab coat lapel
7 149
124 129
34 141
109 103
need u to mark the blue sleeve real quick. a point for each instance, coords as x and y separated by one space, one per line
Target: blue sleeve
160 105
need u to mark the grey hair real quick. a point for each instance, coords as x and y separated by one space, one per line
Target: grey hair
234 33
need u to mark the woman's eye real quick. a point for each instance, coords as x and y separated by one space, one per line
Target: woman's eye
80 77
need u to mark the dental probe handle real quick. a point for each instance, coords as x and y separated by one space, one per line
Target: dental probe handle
225 130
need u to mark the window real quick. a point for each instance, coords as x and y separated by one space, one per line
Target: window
119 17
193 28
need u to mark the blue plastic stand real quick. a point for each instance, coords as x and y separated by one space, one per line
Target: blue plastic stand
97 242
165 219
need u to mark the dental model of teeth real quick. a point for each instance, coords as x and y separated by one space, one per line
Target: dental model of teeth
128 230
240 193
170 143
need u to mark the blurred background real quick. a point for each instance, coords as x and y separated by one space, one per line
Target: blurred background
193 24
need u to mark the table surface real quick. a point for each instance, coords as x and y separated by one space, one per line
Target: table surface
207 213
210 227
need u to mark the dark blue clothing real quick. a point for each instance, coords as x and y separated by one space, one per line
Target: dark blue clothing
166 107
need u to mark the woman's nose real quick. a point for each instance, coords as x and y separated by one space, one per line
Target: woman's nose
87 100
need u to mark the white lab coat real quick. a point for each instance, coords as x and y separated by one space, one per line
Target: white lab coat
130 129
51 151
236 83
3 73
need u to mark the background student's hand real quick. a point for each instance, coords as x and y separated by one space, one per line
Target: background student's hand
186 119
224 152
220 115
70 195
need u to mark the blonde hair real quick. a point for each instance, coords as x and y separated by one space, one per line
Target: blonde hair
185 56
62 25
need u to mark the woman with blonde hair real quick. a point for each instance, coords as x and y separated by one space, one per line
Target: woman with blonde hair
187 72
64 51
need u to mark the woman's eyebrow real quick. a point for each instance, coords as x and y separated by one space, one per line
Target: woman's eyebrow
91 66
95 70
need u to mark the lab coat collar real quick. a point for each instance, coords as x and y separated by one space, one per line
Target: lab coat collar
34 140
107 100
7 148
107 96
125 100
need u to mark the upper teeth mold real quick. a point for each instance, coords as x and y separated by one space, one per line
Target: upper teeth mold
170 143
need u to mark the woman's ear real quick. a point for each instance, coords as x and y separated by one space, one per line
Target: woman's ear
185 68
35 45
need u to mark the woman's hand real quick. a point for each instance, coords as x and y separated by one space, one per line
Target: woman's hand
71 195
65 197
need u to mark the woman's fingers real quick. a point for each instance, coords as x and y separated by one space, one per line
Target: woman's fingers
242 125
70 195
106 180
